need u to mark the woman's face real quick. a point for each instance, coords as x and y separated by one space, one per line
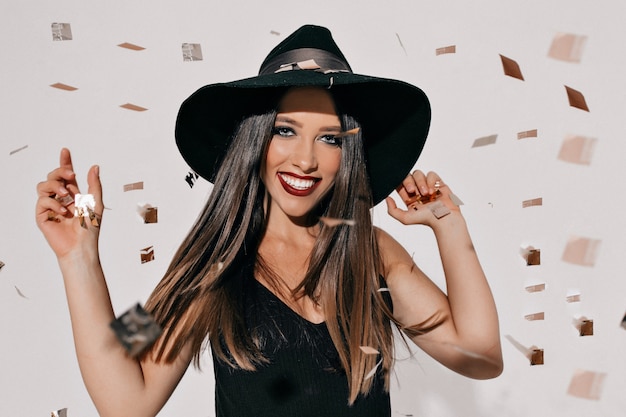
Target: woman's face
303 155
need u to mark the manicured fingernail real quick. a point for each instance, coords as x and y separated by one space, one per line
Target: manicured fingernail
64 191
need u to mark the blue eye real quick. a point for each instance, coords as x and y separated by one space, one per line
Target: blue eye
283 131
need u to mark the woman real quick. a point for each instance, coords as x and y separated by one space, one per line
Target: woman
283 272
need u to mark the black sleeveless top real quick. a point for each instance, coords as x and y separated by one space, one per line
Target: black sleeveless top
304 376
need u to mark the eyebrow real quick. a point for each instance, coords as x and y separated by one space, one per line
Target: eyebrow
284 119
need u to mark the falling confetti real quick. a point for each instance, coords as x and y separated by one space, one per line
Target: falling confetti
536 288
133 186
586 384
532 202
64 87
535 316
531 255
18 150
533 353
191 179
401 44
369 350
61 31
133 107
527 134
573 298
567 47
484 141
148 213
273 32
511 68
59 413
20 293
2 264
445 50
576 99
136 330
373 371
581 251
131 46
330 222
577 149
147 254
192 52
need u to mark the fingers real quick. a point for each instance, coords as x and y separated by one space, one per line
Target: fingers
418 185
95 187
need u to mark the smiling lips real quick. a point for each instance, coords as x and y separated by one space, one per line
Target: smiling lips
297 185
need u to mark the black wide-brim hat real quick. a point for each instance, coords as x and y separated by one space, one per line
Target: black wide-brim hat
394 115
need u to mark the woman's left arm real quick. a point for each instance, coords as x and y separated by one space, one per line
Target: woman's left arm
460 329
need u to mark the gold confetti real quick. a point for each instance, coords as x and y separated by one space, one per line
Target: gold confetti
348 133
18 150
586 384
581 251
330 222
136 330
373 371
148 213
133 107
2 264
273 32
533 353
535 316
511 68
531 255
567 47
573 298
59 413
623 323
577 149
584 327
147 254
131 46
439 209
576 99
369 350
536 288
536 357
484 141
527 134
62 86
445 50
532 202
134 186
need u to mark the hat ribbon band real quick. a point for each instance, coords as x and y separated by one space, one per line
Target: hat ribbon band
291 60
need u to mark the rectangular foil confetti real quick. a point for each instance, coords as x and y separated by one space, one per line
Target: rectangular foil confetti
191 178
536 357
574 298
532 202
511 68
14 151
134 186
191 52
577 149
576 99
131 46
59 413
527 134
148 213
445 50
586 384
585 327
535 316
2 264
147 254
61 31
533 257
438 209
330 222
133 107
623 323
581 251
136 330
484 141
536 288
567 47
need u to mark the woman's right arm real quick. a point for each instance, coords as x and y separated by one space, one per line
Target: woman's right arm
118 384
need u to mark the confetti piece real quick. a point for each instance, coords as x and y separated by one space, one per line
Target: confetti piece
148 213
586 384
511 68
534 354
531 255
456 200
84 206
131 46
136 330
147 254
134 186
527 134
330 222
373 371
348 133
383 290
576 99
574 297
192 52
59 413
581 251
401 44
273 32
20 293
18 150
65 200
533 202
584 326
439 209
567 47
61 31
64 87
535 316
623 323
133 107
445 50
369 350
191 179
484 141
577 149
2 264
536 288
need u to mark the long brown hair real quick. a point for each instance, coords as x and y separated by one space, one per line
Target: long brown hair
199 297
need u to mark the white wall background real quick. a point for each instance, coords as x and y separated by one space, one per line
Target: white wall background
471 98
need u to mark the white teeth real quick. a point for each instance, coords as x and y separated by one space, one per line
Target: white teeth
297 183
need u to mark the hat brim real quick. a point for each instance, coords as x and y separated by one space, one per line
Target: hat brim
394 118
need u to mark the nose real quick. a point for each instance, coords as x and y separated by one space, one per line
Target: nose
304 155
